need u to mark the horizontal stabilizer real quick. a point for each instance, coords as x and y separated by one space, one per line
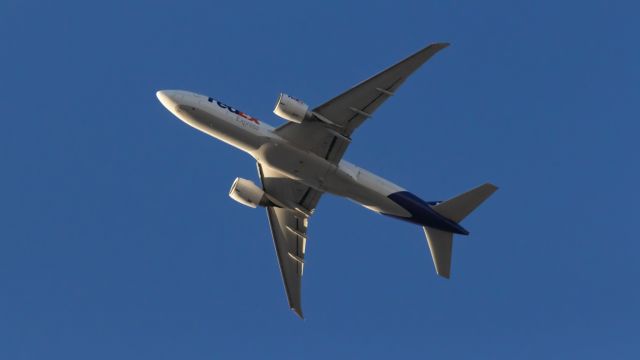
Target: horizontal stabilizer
441 244
462 205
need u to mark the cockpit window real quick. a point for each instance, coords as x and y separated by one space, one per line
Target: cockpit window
210 99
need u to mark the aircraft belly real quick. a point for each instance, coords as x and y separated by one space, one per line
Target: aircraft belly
324 176
372 197
297 164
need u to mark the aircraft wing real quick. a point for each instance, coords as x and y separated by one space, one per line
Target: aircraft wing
289 227
330 134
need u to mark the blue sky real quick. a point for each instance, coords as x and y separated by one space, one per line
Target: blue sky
118 238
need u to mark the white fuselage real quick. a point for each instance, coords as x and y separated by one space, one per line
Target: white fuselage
267 147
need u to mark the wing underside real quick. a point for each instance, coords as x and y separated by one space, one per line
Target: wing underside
289 228
347 111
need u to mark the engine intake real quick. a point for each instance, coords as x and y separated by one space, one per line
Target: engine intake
247 193
292 109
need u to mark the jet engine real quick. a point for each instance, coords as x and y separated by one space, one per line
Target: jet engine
247 193
292 109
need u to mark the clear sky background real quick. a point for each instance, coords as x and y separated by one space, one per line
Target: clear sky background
118 239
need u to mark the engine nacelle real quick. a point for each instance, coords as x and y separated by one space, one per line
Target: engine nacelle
292 109
247 193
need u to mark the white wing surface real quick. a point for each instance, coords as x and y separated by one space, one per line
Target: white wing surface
350 109
289 228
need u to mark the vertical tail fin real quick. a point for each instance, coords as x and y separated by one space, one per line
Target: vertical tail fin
456 209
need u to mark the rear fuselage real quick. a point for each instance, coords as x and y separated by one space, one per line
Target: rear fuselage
260 141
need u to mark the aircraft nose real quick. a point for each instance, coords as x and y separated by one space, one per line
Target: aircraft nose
168 98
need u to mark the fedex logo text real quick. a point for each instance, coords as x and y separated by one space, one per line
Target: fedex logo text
238 112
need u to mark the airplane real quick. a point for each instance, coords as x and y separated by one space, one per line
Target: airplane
302 159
